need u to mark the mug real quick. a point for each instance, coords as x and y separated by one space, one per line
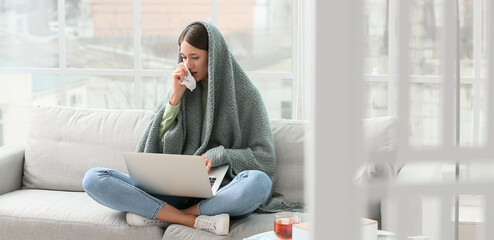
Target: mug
283 223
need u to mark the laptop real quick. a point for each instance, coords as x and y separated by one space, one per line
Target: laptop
174 175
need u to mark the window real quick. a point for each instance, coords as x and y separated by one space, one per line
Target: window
426 103
107 54
28 28
286 108
444 186
426 23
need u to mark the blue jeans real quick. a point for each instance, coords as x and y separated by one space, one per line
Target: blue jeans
116 190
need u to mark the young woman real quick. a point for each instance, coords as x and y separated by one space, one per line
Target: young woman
223 119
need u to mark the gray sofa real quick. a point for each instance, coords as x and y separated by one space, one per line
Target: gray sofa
41 196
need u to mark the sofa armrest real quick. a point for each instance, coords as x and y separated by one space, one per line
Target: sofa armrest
11 167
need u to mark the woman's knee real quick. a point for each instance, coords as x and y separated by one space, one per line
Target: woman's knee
261 182
93 178
255 192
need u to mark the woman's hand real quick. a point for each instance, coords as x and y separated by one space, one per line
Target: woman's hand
208 162
178 90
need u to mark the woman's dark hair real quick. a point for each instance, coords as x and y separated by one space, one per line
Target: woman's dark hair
196 35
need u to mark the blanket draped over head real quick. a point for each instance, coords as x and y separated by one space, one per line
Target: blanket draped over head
235 129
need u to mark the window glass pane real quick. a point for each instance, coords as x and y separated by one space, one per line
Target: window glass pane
161 25
427 27
18 92
377 99
99 34
154 90
471 217
466 115
28 33
466 37
425 112
46 89
426 19
471 222
100 92
376 36
259 33
485 99
477 171
277 96
484 123
483 49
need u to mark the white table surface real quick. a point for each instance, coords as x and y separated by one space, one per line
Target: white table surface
271 235
268 234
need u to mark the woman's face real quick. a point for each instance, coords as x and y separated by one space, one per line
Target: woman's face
196 60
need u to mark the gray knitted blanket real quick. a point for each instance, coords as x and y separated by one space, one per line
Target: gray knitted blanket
235 129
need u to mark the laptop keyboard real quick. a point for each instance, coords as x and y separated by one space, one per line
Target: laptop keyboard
212 180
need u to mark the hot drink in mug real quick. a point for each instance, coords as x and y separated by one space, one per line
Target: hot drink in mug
283 223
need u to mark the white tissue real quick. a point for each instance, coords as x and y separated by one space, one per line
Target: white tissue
189 81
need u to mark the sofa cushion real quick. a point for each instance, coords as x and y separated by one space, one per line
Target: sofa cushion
63 143
44 214
379 137
289 138
380 133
